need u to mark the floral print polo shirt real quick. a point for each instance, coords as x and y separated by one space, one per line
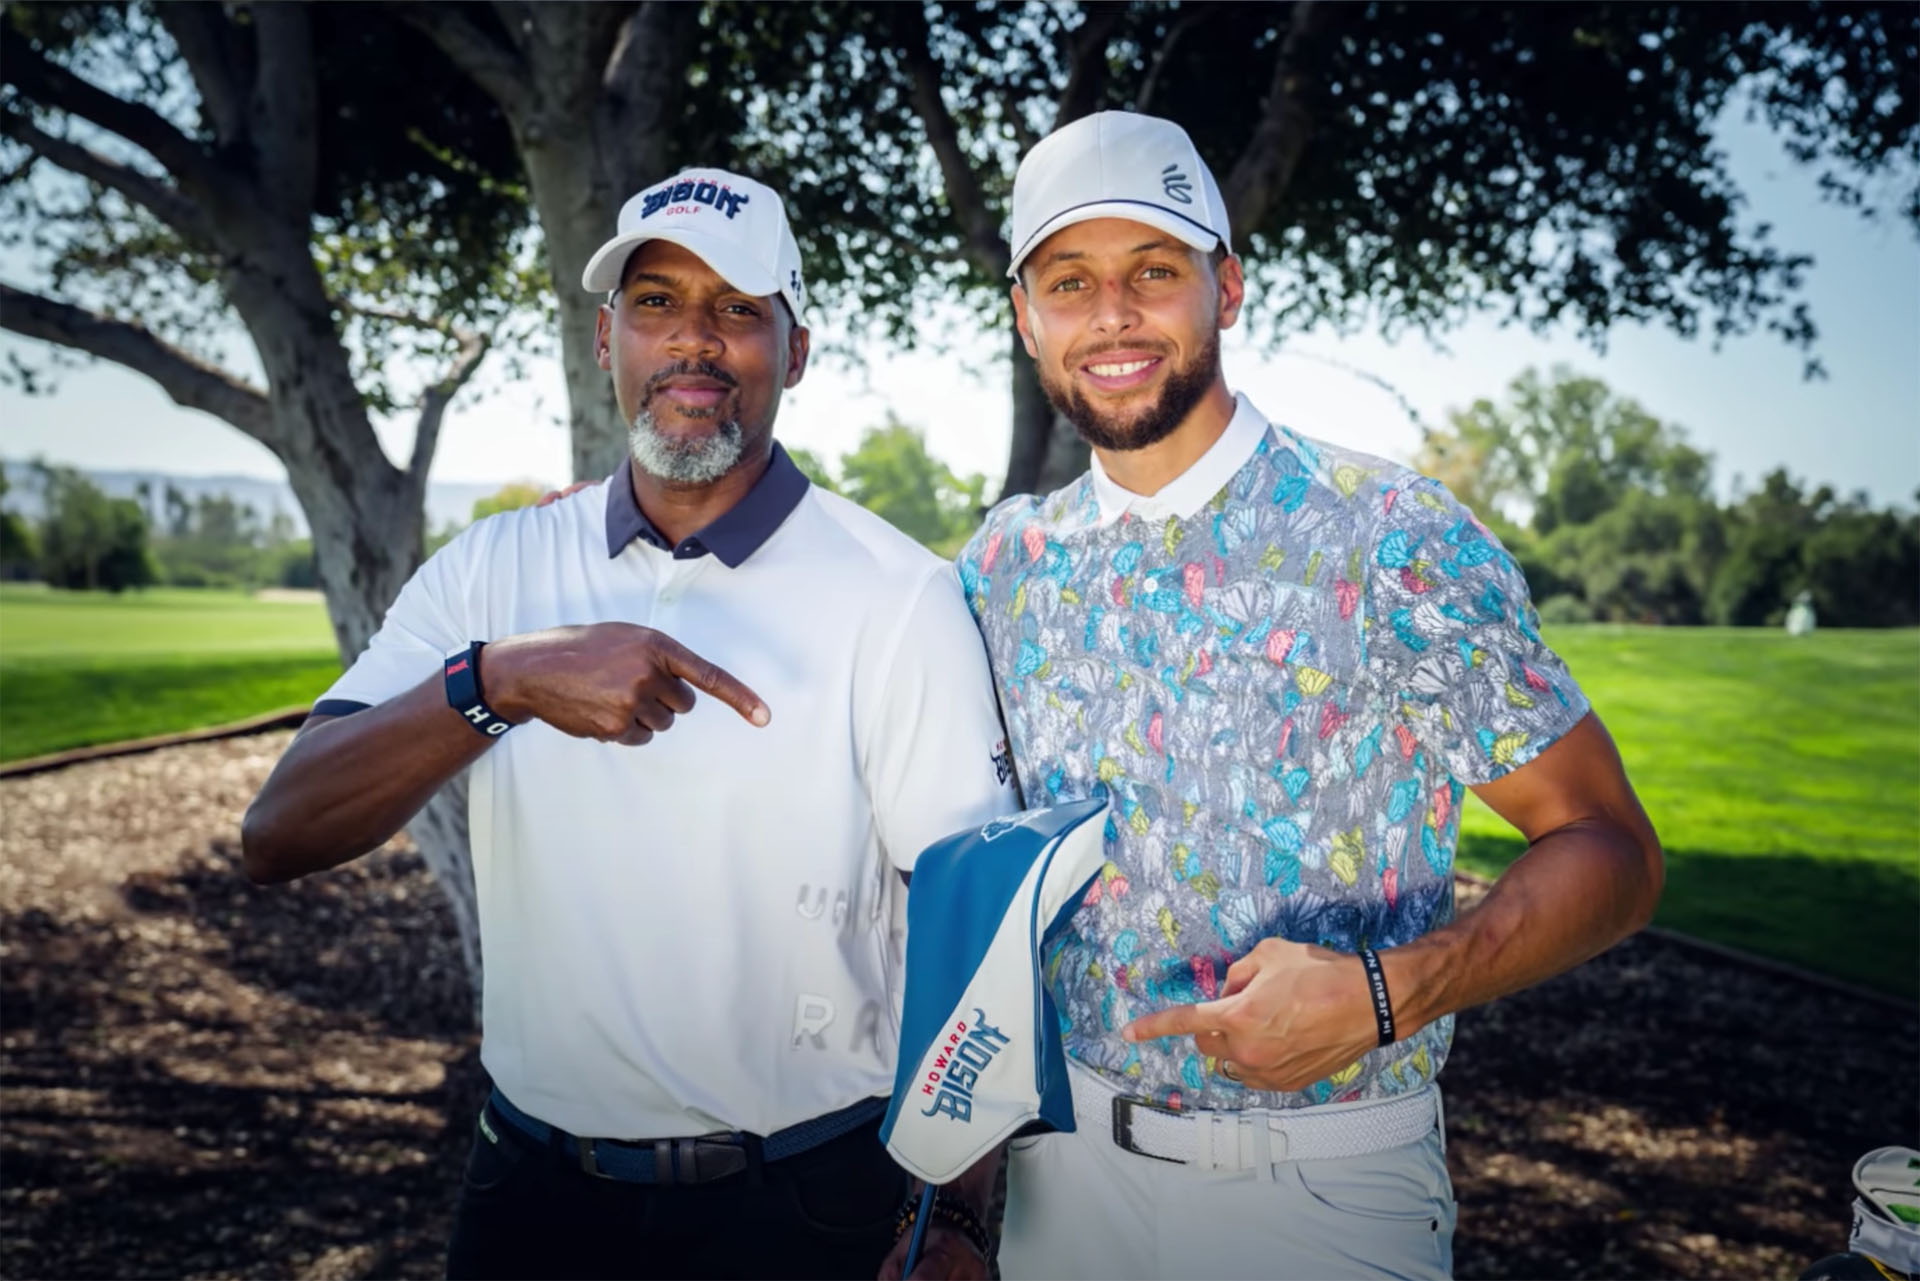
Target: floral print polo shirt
1284 670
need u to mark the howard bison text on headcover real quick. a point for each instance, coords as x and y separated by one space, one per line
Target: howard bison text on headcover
980 1054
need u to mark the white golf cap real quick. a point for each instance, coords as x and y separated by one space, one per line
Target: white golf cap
737 226
1116 164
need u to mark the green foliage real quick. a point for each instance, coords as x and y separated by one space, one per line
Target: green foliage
19 551
509 497
1565 446
1554 161
214 540
88 540
892 475
1781 775
1860 566
1644 558
814 468
1623 528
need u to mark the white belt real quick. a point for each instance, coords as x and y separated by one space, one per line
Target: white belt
1254 1138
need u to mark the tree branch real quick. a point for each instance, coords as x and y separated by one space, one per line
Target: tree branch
645 51
498 69
436 324
433 406
979 229
285 103
1272 154
1191 15
189 380
205 40
51 85
1087 71
165 203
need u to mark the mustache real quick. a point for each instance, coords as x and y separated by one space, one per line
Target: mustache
688 369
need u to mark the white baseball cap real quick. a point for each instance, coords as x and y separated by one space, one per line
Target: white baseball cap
737 226
1117 164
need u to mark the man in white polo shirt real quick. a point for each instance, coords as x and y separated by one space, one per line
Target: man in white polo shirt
691 949
1283 663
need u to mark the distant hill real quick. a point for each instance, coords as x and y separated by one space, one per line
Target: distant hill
446 503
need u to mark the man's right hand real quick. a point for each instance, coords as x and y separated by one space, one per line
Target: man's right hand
616 682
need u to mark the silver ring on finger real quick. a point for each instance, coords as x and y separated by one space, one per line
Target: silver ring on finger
1232 1073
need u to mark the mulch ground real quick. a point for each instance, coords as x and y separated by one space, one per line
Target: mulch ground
200 1078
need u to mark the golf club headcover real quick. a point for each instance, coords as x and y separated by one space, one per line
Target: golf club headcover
980 1054
1886 1213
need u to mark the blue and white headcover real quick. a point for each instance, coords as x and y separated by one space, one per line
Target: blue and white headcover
980 1054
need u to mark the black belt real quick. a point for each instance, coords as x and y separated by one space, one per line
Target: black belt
699 1159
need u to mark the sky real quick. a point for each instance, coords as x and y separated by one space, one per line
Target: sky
1747 403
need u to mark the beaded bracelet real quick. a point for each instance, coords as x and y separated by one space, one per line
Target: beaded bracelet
952 1212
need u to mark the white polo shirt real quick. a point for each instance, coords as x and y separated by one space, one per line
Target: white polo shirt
704 933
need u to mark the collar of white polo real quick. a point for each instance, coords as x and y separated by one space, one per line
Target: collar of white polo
980 1052
735 535
1184 495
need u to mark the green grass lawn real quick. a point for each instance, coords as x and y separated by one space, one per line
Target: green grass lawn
1784 777
78 668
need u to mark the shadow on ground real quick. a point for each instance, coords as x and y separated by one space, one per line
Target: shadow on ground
205 1079
218 1080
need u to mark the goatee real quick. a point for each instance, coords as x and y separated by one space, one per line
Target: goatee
686 460
1183 390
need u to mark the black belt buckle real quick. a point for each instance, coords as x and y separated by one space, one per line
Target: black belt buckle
1123 1106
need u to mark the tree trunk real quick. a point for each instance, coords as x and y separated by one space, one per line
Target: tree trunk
577 209
1045 452
590 115
366 515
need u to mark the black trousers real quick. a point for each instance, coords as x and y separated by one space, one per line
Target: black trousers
529 1211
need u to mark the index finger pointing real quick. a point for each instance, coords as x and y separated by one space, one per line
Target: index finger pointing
717 681
1175 1020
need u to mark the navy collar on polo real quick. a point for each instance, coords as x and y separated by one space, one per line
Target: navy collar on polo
734 536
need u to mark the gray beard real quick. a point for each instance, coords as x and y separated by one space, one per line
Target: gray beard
699 460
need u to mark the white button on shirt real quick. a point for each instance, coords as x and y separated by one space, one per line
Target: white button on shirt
703 933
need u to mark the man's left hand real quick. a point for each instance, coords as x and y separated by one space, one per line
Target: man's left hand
1289 1015
945 1255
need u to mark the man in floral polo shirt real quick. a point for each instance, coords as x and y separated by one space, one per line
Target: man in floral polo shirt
1286 663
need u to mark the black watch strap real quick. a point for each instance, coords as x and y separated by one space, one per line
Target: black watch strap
465 697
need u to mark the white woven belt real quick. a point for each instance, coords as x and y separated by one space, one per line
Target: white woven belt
1255 1138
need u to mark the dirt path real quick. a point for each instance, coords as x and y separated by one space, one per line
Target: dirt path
199 1078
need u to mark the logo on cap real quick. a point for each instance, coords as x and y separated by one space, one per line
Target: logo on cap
1178 185
957 1066
704 192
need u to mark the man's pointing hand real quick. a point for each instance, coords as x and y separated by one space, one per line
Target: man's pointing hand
616 682
1288 1015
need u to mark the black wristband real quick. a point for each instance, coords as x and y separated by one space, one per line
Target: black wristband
464 696
953 1212
1377 986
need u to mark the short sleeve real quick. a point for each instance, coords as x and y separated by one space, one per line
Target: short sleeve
1453 638
932 749
425 623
